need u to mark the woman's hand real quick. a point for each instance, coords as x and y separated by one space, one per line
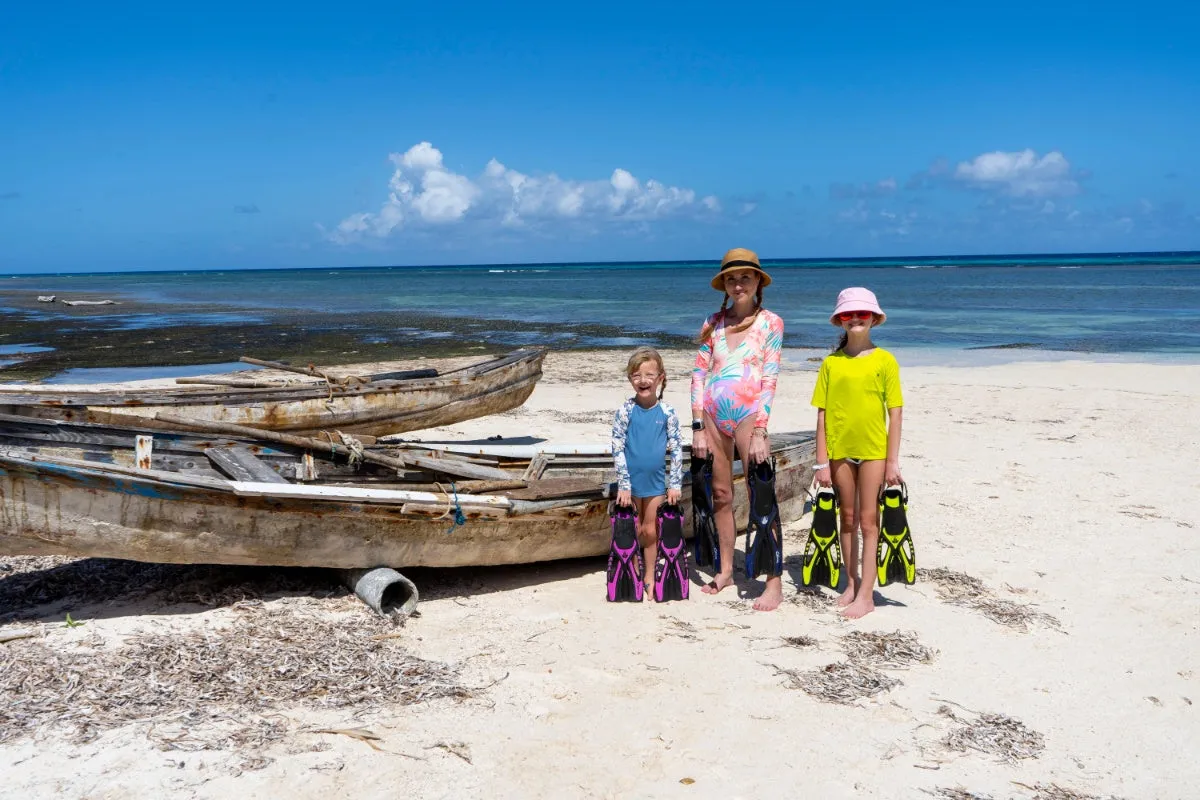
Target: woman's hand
760 446
699 444
624 497
824 477
673 496
891 473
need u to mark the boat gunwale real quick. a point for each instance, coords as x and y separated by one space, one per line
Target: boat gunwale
21 395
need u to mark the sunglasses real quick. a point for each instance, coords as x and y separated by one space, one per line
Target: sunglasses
848 315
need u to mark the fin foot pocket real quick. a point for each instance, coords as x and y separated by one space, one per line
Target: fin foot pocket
706 547
822 564
671 580
764 533
896 556
625 565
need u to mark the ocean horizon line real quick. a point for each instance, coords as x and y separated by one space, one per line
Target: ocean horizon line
1149 258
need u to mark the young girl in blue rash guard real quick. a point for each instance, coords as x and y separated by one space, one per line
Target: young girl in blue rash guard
644 431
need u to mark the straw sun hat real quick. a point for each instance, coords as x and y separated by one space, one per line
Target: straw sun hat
739 258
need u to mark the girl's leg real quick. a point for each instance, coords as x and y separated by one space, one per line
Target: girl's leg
870 479
648 533
845 481
721 447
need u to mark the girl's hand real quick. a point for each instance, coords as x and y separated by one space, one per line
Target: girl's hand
699 444
760 446
824 477
891 473
625 497
673 496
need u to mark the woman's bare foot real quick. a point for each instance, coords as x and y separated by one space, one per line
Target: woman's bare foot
718 583
771 597
859 608
847 597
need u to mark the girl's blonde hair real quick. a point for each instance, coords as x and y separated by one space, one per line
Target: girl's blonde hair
641 356
709 327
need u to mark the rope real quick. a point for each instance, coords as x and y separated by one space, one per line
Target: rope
354 446
452 505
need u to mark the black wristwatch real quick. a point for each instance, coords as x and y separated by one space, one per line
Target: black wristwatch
697 424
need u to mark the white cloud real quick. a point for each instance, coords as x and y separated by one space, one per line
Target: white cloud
422 191
1020 174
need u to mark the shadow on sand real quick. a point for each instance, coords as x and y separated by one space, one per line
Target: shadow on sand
47 589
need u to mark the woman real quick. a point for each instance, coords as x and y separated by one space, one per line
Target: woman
733 384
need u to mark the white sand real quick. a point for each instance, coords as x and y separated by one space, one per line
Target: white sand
1069 487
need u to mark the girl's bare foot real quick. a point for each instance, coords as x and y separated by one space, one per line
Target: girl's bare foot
771 597
718 583
847 597
859 608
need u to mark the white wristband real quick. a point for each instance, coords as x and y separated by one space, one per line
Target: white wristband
817 467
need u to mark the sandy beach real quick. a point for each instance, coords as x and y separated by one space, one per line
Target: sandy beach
1048 650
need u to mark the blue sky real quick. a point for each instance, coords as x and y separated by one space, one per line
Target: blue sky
260 135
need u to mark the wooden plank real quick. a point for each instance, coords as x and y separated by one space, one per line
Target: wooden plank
360 495
537 465
240 464
236 383
444 466
154 475
551 488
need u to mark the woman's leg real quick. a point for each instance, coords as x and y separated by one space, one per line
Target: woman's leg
870 479
845 481
721 448
648 533
772 595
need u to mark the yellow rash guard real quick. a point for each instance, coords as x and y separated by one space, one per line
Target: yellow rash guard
856 394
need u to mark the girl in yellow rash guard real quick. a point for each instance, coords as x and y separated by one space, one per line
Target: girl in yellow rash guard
859 408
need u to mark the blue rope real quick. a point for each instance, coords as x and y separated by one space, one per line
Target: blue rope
459 517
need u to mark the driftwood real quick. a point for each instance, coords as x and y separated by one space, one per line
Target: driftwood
445 466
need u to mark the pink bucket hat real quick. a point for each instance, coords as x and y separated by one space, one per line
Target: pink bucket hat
856 298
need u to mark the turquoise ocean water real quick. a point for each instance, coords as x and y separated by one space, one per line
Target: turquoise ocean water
1095 304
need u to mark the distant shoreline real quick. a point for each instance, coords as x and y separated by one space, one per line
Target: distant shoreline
1159 258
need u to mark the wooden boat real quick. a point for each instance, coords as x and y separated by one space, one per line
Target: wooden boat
82 489
373 405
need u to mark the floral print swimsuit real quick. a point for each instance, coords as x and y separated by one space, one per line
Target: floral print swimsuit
731 385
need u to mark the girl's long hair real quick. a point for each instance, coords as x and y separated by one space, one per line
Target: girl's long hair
641 356
709 327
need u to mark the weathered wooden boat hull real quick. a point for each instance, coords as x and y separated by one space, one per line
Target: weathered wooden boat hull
377 408
51 505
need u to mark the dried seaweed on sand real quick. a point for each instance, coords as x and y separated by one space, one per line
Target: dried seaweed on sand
798 641
961 589
956 793
994 734
1052 791
814 599
841 682
29 582
1014 615
217 687
898 649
